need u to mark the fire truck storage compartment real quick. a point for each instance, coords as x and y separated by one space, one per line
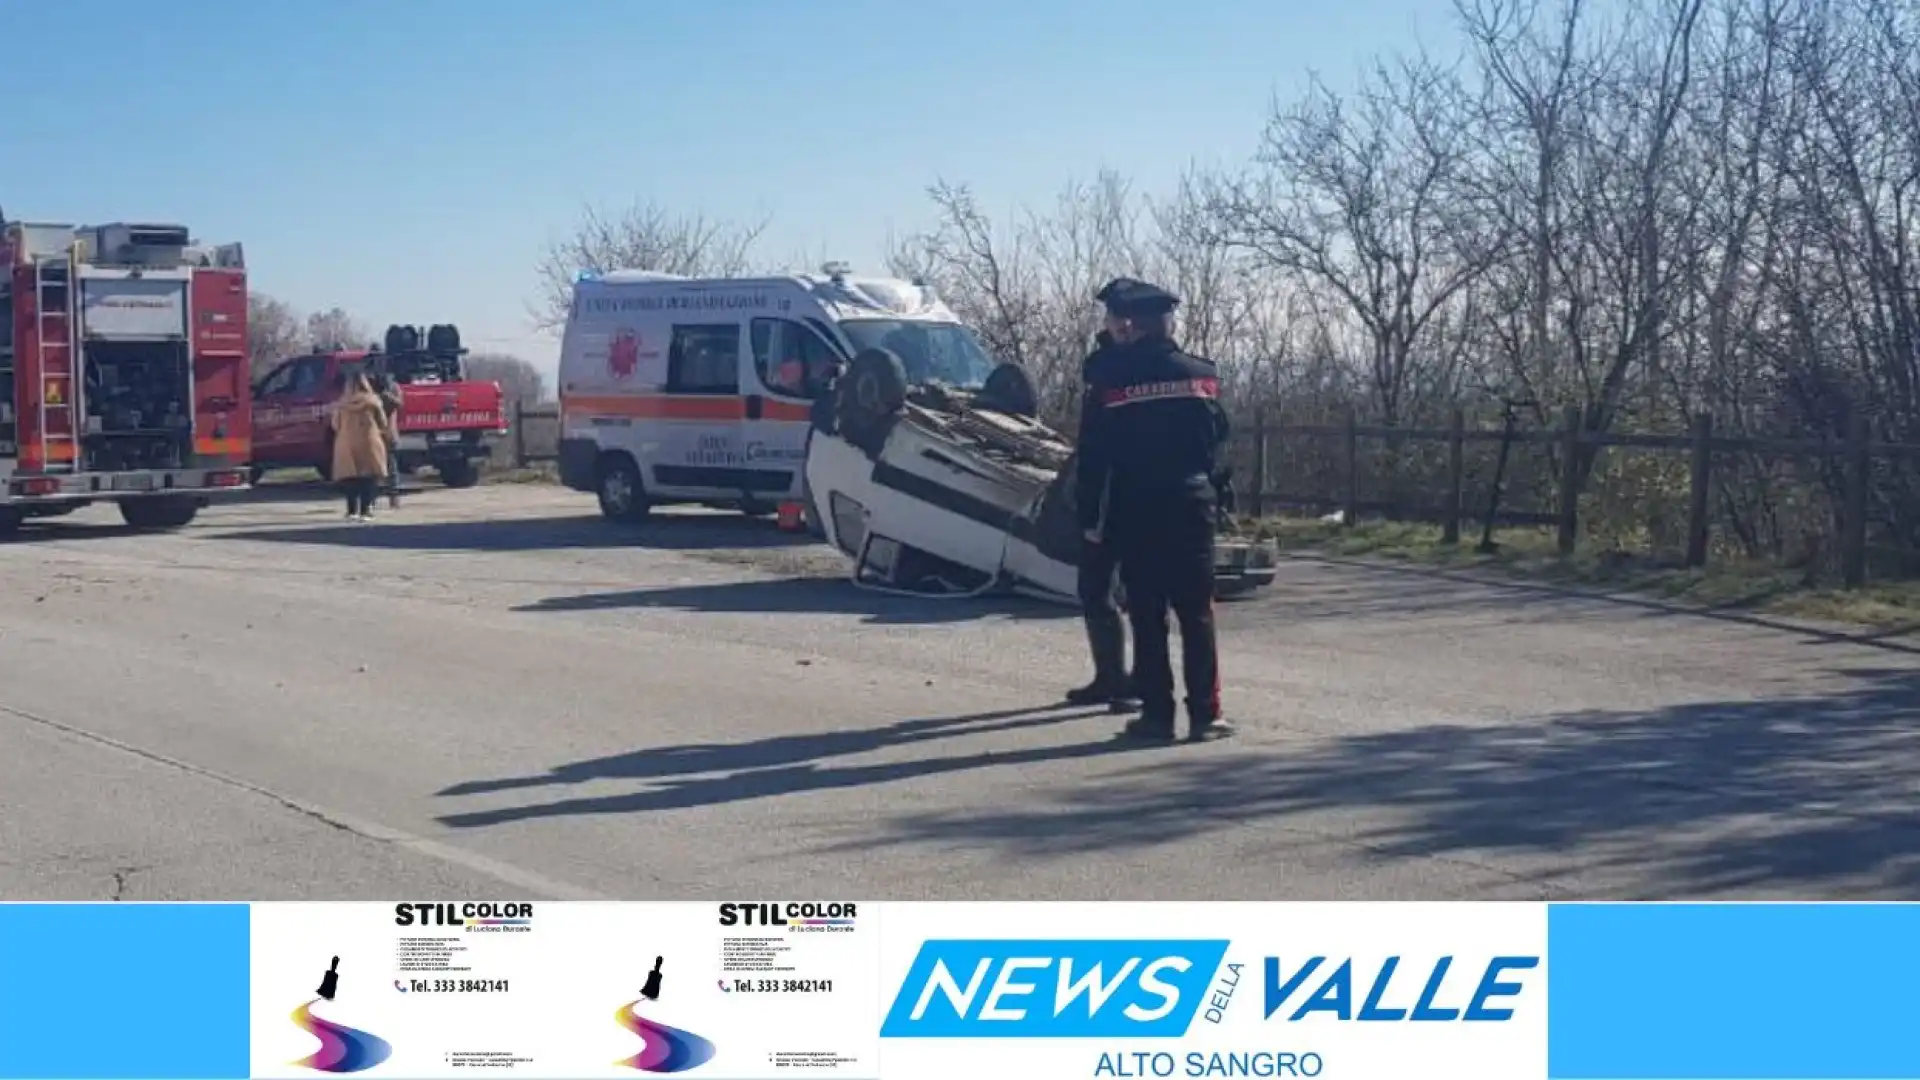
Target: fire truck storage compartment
139 406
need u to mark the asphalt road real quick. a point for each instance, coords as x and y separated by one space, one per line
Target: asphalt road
493 694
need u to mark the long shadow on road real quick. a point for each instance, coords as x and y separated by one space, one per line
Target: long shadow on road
1801 797
827 596
687 533
710 774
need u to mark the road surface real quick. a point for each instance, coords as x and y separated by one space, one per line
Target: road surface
493 694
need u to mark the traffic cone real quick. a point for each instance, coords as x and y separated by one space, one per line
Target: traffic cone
792 517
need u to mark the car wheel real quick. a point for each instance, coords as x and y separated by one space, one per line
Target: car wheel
623 497
161 512
1010 390
869 397
459 474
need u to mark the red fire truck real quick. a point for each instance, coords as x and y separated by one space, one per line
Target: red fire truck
445 418
123 372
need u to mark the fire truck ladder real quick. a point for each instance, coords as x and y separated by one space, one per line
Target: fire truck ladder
59 383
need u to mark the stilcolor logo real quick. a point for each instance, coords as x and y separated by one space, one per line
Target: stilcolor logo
1053 989
667 1049
342 1049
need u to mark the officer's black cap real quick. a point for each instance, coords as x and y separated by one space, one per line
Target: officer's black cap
1126 297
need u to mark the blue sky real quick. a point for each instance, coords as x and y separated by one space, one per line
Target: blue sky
409 159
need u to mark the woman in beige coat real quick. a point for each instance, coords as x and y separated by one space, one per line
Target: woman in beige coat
362 430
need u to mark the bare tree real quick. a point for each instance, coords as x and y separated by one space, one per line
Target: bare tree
274 332
645 237
985 276
520 380
1366 199
334 328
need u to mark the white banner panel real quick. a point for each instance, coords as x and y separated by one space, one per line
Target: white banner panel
133 307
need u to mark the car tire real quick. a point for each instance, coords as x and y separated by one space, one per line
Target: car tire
159 512
622 493
869 397
1009 389
459 474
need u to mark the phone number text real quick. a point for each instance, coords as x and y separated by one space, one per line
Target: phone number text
783 986
457 986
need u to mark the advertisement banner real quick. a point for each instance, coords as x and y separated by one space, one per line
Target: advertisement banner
431 989
752 990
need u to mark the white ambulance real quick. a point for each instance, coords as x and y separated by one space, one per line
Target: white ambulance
701 390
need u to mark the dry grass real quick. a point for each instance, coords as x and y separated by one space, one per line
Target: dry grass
1532 553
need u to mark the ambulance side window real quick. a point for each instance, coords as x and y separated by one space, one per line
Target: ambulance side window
791 359
704 360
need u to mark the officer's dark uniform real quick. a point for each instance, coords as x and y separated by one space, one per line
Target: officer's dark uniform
1152 443
1106 631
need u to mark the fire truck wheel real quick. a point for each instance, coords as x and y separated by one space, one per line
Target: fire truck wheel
160 512
10 520
623 496
459 474
869 398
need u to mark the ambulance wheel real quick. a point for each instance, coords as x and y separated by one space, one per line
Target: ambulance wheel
159 512
1010 390
458 474
623 497
869 398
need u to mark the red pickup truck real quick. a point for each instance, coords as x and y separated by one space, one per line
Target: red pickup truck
444 419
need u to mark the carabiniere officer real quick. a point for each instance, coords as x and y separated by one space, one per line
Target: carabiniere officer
1099 572
1151 446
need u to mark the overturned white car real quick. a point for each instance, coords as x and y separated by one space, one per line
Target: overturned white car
931 490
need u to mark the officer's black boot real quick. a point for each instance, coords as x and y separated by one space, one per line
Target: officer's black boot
1204 722
1111 685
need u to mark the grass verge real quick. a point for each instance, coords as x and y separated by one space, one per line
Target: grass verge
1532 554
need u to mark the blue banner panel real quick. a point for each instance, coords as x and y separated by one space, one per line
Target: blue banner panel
1732 991
128 991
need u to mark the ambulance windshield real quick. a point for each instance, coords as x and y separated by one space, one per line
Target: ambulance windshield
931 352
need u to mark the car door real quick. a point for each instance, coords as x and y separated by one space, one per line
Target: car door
792 363
309 410
270 419
698 447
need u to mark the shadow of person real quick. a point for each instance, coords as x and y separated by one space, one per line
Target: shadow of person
651 991
330 982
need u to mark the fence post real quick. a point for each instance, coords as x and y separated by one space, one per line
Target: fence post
1853 541
1569 479
1456 477
1259 502
1353 466
1702 486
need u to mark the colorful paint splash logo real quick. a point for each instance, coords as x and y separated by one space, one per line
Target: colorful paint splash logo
342 1049
667 1049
